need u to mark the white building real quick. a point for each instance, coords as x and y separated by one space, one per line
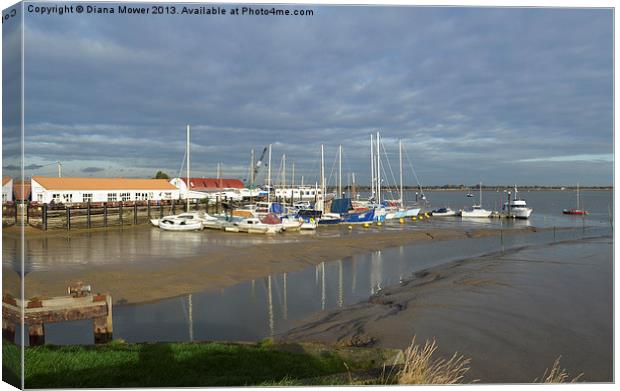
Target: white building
299 193
80 190
7 189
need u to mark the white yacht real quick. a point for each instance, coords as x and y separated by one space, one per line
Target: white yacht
182 222
517 207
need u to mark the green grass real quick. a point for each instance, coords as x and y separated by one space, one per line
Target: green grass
174 365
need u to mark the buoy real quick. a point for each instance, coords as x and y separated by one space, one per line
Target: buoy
366 225
413 218
402 221
427 215
379 223
421 217
350 227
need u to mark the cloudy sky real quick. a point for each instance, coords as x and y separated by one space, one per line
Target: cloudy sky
494 95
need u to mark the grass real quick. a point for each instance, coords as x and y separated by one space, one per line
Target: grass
171 365
555 374
421 368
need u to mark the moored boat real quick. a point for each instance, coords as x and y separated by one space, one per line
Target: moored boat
443 212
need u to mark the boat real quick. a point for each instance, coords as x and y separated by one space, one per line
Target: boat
291 223
359 217
517 207
251 225
477 211
183 222
576 211
443 212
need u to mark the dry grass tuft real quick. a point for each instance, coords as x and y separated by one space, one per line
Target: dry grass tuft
557 374
420 368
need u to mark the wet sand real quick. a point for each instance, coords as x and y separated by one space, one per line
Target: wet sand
513 314
143 282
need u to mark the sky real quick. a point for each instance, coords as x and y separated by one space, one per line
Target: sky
497 95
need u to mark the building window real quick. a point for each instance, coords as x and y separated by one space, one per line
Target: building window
56 198
167 196
87 197
40 197
150 196
67 198
5 197
142 196
125 196
111 197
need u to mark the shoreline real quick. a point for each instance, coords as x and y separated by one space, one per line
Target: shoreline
148 282
512 313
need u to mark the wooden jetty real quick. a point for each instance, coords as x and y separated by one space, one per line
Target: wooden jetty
80 304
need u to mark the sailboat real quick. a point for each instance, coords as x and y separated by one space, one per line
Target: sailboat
188 221
401 212
477 211
576 211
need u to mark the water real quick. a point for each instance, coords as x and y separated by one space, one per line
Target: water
261 308
257 309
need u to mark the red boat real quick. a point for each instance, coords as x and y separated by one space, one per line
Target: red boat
574 211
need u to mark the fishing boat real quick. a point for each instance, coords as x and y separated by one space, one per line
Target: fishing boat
576 211
443 212
477 211
517 207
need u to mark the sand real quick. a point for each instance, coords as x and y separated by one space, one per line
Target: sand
513 314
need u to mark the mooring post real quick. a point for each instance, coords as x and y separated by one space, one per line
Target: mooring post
15 211
197 205
102 325
36 334
161 210
105 215
148 209
68 213
8 330
27 212
174 208
44 217
135 213
217 204
88 215
120 212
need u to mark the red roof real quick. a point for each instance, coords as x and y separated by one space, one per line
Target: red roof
209 184
21 190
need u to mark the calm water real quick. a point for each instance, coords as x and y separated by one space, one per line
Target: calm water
257 309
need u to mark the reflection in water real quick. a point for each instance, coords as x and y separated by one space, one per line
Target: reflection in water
229 315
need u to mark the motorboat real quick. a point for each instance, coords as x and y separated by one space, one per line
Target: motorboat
202 217
517 207
290 223
443 212
184 222
330 218
252 225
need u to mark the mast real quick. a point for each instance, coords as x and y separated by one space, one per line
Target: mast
353 187
400 157
378 171
322 181
480 194
252 167
293 178
269 176
284 177
339 171
188 180
59 164
372 166
577 196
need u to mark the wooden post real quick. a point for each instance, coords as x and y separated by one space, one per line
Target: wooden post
217 204
135 213
8 330
36 334
102 325
15 211
27 212
88 214
120 212
105 215
148 209
174 208
44 217
197 205
161 210
68 215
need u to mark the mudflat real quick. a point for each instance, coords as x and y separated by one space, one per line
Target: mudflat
137 282
512 313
